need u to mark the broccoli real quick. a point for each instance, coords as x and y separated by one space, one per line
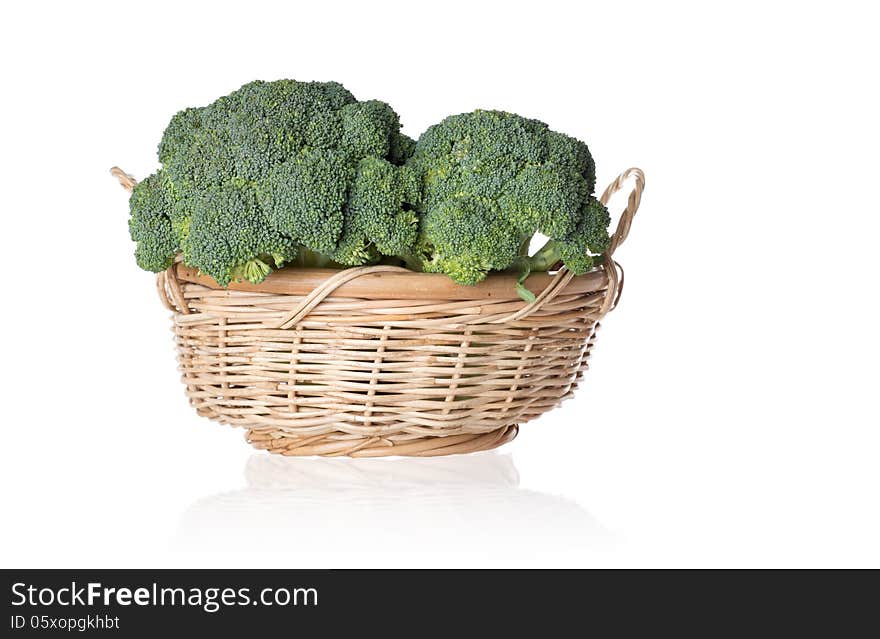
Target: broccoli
302 173
490 181
466 238
576 249
304 197
272 173
379 219
150 225
230 239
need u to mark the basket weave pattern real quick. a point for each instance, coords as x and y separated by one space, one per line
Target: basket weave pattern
368 364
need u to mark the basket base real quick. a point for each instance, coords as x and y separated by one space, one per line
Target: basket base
282 443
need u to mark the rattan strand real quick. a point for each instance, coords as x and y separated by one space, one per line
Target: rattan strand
377 375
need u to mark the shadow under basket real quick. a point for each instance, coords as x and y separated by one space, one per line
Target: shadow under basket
378 360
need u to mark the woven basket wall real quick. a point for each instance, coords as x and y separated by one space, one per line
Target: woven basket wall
378 360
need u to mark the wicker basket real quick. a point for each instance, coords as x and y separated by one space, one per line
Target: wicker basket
378 360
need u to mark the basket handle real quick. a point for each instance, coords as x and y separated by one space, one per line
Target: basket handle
612 268
127 181
635 197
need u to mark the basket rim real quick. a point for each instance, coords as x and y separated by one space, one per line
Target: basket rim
403 285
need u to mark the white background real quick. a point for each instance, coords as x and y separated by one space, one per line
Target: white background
730 417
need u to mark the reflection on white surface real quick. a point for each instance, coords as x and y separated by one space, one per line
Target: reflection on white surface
469 505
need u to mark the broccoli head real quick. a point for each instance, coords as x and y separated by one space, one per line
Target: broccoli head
244 134
490 181
285 160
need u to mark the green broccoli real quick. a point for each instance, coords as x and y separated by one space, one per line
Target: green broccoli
304 197
270 174
465 238
150 225
379 220
490 181
576 250
303 173
230 239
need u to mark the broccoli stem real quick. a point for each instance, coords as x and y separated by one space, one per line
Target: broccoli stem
311 259
414 263
254 271
546 257
524 267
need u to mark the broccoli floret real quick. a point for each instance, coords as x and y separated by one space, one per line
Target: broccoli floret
577 249
150 224
466 238
285 155
304 197
491 180
230 239
367 128
573 154
401 148
379 219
